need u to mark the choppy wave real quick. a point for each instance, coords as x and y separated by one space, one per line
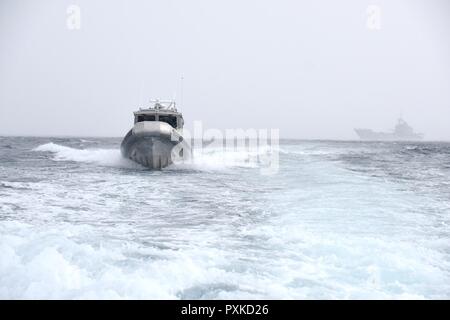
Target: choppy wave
219 159
339 220
105 157
202 159
17 185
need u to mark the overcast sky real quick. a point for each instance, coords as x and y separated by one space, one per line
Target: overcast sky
313 69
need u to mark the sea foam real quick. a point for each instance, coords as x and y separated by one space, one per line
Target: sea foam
203 159
104 157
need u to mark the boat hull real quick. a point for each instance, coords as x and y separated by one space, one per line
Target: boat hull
152 143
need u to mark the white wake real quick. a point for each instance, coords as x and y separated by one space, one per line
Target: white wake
104 157
202 159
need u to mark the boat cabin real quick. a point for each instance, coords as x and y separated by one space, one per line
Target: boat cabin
163 111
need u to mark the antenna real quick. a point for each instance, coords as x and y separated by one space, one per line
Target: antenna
181 94
141 89
174 97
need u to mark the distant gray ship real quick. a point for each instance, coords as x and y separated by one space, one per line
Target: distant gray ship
402 132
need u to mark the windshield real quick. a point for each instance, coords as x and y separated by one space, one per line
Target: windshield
144 117
172 120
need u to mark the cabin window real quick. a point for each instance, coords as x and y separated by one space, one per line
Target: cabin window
144 117
169 119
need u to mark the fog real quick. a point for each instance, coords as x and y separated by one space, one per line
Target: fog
314 69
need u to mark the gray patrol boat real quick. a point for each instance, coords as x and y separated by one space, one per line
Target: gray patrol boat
402 132
156 137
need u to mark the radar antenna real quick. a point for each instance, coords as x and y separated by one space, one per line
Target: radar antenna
164 104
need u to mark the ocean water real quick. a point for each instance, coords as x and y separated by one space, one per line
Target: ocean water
340 220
